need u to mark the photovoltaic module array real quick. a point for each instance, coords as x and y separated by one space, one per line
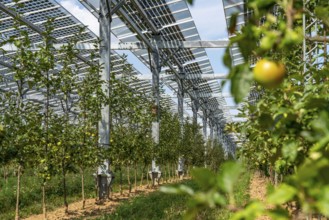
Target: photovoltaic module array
135 21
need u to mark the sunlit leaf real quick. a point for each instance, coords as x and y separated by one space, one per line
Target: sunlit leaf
282 194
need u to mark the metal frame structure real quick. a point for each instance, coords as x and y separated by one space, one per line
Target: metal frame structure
148 24
315 40
162 34
231 7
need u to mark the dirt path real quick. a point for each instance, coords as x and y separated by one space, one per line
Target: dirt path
92 210
257 190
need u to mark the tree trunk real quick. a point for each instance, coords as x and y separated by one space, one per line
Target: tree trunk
5 174
18 191
96 186
147 177
165 174
44 208
173 171
169 173
83 188
158 180
187 168
65 190
128 177
121 181
135 177
142 177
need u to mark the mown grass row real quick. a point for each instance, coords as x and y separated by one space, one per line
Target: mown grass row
158 205
31 194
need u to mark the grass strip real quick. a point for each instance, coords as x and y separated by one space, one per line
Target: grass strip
158 205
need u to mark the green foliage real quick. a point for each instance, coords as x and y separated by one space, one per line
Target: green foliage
131 119
31 196
35 136
174 205
287 128
214 190
156 205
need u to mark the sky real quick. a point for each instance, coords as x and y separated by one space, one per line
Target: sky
209 19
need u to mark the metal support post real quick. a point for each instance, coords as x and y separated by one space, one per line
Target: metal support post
304 39
156 69
311 49
222 141
195 109
204 121
218 135
226 150
104 175
215 131
180 96
211 136
195 106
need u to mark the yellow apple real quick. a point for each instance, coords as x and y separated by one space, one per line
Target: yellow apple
269 73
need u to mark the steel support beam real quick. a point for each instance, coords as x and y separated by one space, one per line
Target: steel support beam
178 76
187 77
150 45
79 46
135 45
222 140
216 134
133 26
104 176
155 69
180 96
204 128
171 45
154 45
211 135
195 109
90 7
207 95
150 24
17 16
117 7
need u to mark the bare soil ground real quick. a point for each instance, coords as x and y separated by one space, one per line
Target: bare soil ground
257 189
93 210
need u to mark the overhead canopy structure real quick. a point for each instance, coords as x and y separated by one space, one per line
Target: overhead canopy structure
232 7
149 22
237 7
34 15
167 41
140 20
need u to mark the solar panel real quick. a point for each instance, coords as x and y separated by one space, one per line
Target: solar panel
231 7
66 27
171 17
174 21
